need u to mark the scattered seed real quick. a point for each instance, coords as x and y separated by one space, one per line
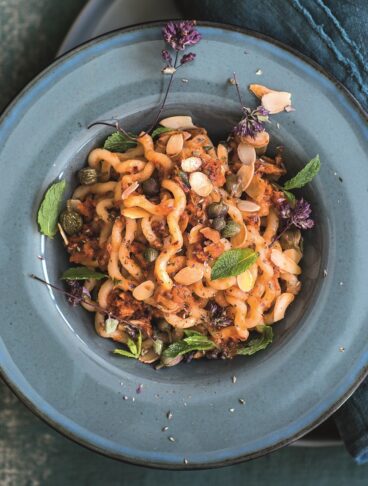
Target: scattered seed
341 349
157 395
232 81
242 401
259 72
233 379
341 283
341 179
171 439
169 415
133 399
335 173
231 410
185 461
185 404
183 80
40 257
164 429
325 273
125 397
139 388
278 125
121 383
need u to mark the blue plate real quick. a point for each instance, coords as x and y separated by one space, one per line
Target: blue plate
50 354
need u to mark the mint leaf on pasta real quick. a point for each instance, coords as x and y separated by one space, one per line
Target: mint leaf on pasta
157 131
118 142
48 213
305 175
194 341
233 262
257 343
81 273
134 348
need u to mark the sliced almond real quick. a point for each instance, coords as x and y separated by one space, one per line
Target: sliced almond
211 234
246 154
200 184
245 281
175 144
191 164
294 254
259 90
245 175
129 190
187 135
282 303
285 263
189 275
260 140
194 236
177 122
135 213
248 206
144 290
276 101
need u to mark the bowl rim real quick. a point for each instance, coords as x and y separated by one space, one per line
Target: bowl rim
64 430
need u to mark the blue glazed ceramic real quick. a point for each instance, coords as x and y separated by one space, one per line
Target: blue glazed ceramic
49 351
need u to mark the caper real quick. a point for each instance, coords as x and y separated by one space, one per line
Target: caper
150 254
215 210
232 184
218 223
151 187
231 229
71 221
87 176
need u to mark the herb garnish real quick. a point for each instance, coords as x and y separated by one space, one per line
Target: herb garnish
194 341
233 262
82 273
257 343
77 292
48 212
134 348
118 142
157 131
305 175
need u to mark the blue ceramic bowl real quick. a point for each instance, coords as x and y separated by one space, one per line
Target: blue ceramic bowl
49 351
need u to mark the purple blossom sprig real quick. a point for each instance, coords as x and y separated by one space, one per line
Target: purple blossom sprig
297 216
77 292
252 121
179 36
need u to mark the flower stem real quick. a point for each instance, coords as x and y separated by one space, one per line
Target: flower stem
68 294
238 91
166 95
113 125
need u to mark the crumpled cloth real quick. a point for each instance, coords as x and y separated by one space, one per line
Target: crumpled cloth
334 34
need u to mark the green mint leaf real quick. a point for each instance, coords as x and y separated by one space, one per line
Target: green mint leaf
305 175
289 196
194 341
189 332
48 213
233 262
118 142
157 131
257 343
81 273
134 348
122 352
111 325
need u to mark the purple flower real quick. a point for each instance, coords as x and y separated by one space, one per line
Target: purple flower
166 56
252 122
298 216
77 292
180 35
187 58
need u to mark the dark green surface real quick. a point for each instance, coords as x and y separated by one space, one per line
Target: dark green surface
31 453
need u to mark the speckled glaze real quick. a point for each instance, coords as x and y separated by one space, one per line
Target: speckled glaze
49 352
